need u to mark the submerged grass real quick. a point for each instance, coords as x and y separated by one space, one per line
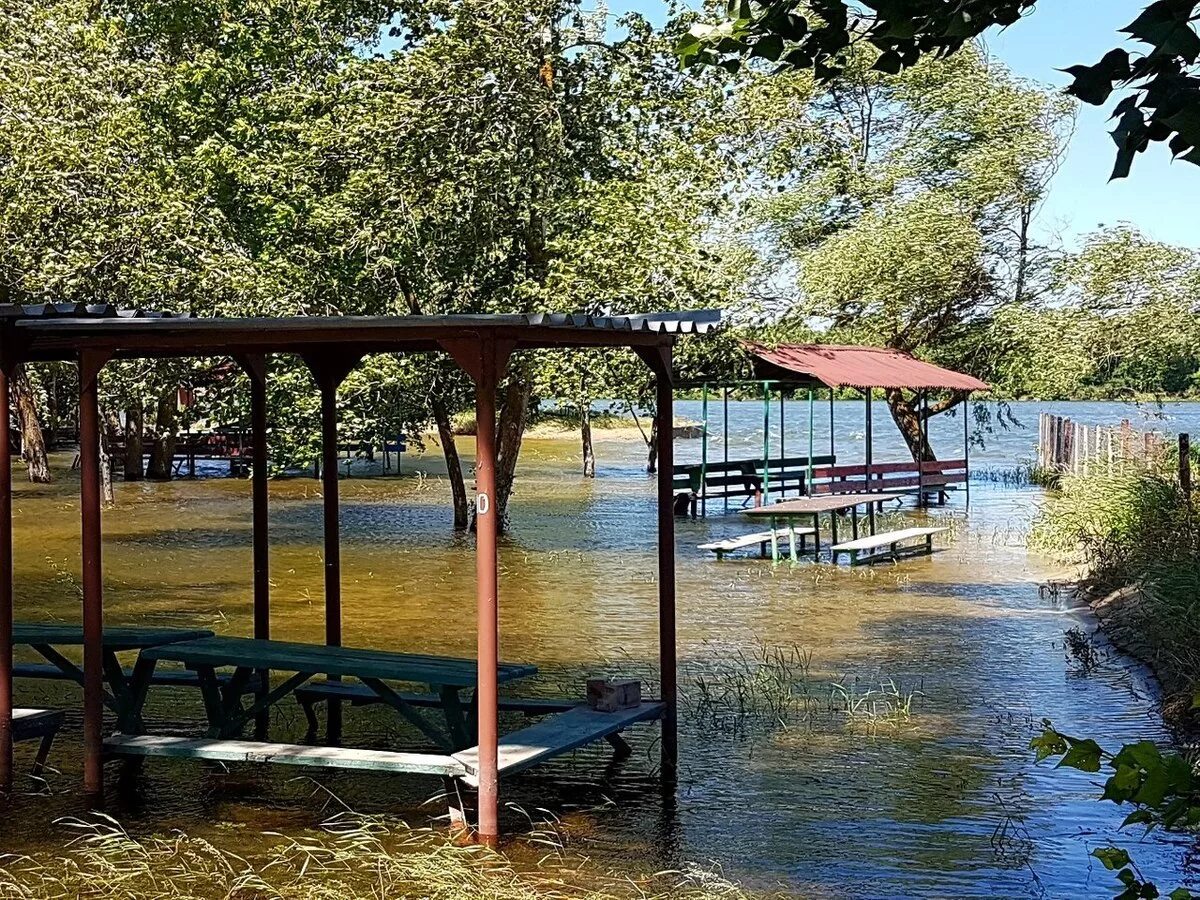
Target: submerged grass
351 856
773 687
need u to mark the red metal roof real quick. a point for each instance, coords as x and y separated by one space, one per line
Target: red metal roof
862 367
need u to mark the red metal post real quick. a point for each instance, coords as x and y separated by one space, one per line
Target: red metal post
6 592
486 594
333 558
665 401
93 587
256 368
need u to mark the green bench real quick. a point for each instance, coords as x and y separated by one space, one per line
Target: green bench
43 724
693 482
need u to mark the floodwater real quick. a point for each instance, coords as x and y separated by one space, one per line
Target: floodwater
843 732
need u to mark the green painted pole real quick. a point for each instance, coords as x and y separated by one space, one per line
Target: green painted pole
725 437
832 452
704 449
766 478
808 479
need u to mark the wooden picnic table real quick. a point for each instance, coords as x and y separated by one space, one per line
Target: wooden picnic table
121 696
789 511
227 716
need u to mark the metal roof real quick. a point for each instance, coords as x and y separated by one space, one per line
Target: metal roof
57 331
861 367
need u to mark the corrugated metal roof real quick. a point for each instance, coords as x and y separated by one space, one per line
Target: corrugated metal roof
80 311
862 367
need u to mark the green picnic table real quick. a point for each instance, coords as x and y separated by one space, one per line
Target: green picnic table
126 691
228 716
790 511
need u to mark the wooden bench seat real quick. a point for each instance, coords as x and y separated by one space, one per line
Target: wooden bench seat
762 538
44 724
887 539
174 677
231 751
359 694
557 735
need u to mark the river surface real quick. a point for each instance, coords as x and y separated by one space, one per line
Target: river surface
843 733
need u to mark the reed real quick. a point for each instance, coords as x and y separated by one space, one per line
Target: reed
352 855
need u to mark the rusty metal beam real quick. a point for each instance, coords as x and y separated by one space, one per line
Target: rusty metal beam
90 364
6 589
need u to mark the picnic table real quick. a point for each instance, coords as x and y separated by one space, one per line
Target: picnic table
810 508
227 716
126 690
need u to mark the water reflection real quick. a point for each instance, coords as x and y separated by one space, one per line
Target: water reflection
943 802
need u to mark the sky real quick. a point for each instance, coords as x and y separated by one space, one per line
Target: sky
1160 197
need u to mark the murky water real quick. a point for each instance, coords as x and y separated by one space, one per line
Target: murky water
949 663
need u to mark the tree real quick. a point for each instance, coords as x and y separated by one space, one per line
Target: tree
896 202
1161 84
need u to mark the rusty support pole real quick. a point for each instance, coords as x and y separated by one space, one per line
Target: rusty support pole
486 594
665 401
6 590
93 586
333 558
255 367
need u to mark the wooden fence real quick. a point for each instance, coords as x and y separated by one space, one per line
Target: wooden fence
1065 446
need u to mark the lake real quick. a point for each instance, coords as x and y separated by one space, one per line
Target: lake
843 732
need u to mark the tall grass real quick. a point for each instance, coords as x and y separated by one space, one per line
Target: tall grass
1136 539
352 856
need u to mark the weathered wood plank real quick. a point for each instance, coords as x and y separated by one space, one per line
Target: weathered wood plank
557 735
360 694
230 751
294 657
116 637
749 540
887 538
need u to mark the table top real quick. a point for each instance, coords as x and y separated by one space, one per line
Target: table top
116 637
319 659
811 505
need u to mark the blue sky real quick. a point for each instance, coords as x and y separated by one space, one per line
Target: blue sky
1160 197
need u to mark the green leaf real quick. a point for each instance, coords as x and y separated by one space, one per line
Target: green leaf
1113 858
768 47
1083 755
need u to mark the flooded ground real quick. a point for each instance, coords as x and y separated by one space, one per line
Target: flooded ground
844 732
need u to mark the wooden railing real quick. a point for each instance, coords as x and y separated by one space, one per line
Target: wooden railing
1069 447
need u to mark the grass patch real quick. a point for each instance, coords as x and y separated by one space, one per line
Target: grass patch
351 856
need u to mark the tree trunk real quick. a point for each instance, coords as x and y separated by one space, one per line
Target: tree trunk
509 432
106 481
162 452
908 417
652 451
33 442
135 433
458 487
585 433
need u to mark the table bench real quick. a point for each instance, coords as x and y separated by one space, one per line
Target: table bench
29 724
762 538
743 479
811 508
227 716
357 694
121 696
165 678
890 539
557 735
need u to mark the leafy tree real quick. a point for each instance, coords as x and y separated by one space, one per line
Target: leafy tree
900 204
1161 83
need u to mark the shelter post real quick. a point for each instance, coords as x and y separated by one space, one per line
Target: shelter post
725 435
6 590
484 358
703 449
766 471
255 366
808 477
782 429
329 371
666 568
966 403
868 395
923 434
90 363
